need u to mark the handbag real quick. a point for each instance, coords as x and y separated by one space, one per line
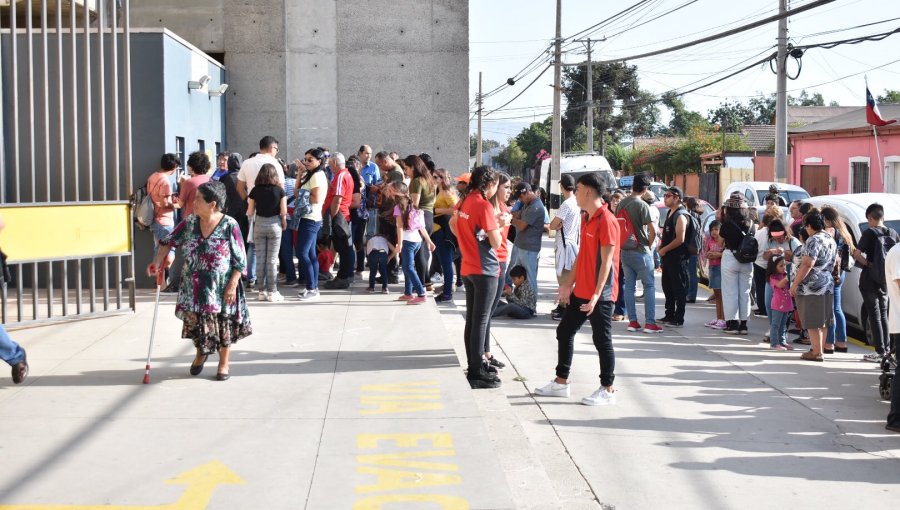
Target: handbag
340 228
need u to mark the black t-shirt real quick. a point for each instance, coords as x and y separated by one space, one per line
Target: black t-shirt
268 200
733 234
868 243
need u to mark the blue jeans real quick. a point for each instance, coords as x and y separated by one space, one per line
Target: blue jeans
378 264
838 330
778 327
411 279
693 278
445 256
528 259
10 351
307 232
251 261
637 264
286 256
513 310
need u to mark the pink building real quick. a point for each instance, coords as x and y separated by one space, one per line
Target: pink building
838 155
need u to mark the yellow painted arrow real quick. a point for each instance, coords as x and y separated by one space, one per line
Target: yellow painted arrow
201 482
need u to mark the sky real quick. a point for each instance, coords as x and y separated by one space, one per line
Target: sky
505 36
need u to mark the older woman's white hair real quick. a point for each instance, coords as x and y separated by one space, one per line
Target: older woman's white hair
338 159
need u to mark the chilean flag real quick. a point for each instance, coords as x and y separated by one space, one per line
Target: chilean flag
873 116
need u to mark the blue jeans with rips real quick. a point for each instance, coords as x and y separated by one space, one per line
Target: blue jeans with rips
639 265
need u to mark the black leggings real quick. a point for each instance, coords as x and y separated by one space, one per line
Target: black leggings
480 293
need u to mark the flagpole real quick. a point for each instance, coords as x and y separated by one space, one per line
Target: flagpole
878 153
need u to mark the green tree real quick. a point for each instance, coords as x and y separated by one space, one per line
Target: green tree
620 105
486 145
535 137
731 116
807 99
890 96
683 120
763 108
513 157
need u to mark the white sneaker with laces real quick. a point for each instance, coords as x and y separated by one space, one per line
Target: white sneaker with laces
872 357
601 397
276 297
553 389
263 296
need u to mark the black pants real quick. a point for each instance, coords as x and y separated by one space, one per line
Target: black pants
497 296
422 254
893 418
389 231
480 292
675 284
875 302
601 326
759 283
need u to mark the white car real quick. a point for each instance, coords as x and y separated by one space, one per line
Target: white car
576 165
756 191
852 209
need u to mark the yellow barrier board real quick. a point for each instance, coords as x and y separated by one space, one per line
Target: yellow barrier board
53 232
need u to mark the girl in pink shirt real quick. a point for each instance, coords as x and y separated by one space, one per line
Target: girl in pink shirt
781 306
712 253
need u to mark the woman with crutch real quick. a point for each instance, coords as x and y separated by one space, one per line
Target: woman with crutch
211 300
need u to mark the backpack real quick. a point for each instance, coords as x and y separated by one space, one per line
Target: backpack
748 249
142 208
886 239
693 238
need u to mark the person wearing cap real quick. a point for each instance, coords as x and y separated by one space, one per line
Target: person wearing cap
637 259
590 293
674 255
462 182
529 223
568 224
736 276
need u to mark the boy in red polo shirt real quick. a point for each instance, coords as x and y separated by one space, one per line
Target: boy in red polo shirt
595 281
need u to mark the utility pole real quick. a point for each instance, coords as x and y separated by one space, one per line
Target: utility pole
556 129
479 158
590 99
781 98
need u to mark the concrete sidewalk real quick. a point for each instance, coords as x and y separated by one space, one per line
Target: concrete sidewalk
703 420
354 401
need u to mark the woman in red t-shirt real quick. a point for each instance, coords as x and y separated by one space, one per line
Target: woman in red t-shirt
501 212
479 237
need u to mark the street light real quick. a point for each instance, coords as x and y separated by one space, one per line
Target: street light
199 84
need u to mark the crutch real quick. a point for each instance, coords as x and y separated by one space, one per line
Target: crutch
160 278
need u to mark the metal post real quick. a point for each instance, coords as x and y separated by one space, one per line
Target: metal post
556 131
479 158
14 45
46 106
62 118
29 35
89 111
73 158
101 86
781 99
590 99
114 74
129 178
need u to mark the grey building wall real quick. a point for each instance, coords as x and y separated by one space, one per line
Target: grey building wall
336 73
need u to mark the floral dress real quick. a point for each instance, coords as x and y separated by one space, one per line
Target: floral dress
208 264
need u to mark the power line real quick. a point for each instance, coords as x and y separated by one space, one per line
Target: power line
522 91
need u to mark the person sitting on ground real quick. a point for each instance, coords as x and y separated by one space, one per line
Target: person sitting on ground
325 257
521 302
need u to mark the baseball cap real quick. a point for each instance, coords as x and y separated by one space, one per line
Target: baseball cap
675 190
464 177
522 187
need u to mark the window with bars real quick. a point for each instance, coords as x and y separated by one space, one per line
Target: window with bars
859 171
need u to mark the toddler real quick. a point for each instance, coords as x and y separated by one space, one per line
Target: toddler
781 306
712 252
377 250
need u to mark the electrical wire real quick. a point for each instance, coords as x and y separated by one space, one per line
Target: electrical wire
522 91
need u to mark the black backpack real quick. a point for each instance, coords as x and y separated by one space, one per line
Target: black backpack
748 249
885 238
693 237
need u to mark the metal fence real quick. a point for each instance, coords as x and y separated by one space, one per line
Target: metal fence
65 169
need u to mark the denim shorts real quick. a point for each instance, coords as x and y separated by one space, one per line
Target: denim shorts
715 277
160 232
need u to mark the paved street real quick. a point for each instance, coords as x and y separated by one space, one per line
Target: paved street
357 401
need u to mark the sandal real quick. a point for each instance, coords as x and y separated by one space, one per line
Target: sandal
811 356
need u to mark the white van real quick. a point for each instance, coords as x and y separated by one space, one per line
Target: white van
756 191
852 209
576 165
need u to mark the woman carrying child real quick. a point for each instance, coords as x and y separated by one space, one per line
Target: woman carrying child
411 230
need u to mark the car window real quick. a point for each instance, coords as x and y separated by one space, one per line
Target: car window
749 194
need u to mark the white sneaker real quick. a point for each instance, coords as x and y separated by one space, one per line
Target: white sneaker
309 295
263 296
872 357
437 278
276 297
601 397
553 389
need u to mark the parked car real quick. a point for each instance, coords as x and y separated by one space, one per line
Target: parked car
576 165
852 209
756 191
658 189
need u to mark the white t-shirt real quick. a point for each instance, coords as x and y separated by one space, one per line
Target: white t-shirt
250 169
377 243
318 180
570 215
762 239
892 273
